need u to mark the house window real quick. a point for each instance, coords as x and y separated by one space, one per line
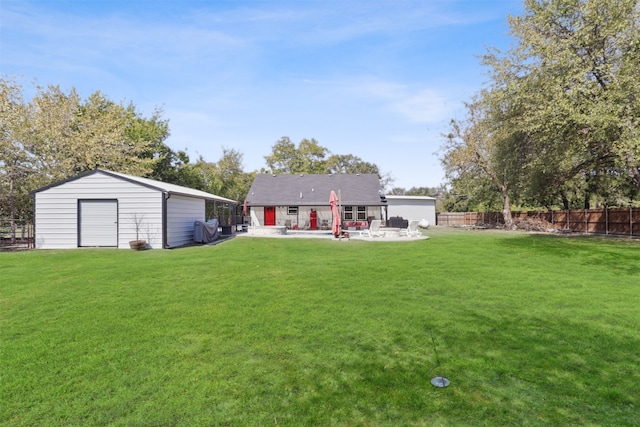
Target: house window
362 213
348 212
292 210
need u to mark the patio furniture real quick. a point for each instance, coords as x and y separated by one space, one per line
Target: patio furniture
397 222
373 230
411 230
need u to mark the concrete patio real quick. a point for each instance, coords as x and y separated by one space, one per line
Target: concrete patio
391 234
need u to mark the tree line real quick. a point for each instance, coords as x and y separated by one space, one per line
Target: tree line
558 125
56 135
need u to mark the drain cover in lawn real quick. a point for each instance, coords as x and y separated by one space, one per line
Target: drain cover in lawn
440 381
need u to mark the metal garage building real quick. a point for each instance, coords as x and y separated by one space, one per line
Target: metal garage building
412 207
100 208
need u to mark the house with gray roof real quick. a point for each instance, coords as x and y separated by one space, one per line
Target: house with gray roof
302 201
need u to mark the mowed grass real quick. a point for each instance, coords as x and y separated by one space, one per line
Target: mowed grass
530 330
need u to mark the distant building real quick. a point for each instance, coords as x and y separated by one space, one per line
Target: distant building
302 201
100 208
412 207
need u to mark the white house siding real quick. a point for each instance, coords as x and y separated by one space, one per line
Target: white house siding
56 210
303 218
412 207
182 212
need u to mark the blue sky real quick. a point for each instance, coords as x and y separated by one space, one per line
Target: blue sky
377 79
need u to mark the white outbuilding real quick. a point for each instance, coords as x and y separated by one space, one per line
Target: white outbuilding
101 208
412 207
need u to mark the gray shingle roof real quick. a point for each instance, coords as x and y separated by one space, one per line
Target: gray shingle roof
314 190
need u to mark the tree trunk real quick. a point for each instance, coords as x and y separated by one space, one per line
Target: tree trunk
565 201
635 174
506 208
12 207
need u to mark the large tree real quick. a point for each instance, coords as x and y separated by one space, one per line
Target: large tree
597 44
562 104
575 71
56 135
308 157
349 163
68 136
481 148
226 177
16 162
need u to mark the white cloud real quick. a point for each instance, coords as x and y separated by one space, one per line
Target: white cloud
415 104
424 106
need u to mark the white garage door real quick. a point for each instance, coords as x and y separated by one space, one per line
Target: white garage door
98 221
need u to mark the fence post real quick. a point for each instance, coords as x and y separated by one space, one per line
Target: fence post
630 220
586 223
606 220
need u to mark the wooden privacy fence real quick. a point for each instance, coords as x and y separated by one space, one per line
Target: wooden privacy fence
622 221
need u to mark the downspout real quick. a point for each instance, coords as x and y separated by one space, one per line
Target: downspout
165 197
34 221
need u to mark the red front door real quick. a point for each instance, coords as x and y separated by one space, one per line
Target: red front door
313 220
269 215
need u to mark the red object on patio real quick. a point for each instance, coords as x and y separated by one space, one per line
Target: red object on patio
313 220
337 223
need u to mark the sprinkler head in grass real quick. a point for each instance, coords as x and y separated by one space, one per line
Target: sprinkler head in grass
440 382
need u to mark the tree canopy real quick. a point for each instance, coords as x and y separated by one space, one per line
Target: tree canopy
309 157
559 121
56 135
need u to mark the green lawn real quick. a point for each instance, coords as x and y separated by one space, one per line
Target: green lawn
530 329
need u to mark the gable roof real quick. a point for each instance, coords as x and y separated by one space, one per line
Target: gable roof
146 182
417 198
314 190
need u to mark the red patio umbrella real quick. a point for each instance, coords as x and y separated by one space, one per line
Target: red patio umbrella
337 223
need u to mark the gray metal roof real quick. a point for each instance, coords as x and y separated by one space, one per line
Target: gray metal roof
402 197
149 183
314 190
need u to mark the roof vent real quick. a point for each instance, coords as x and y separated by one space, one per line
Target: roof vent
301 194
